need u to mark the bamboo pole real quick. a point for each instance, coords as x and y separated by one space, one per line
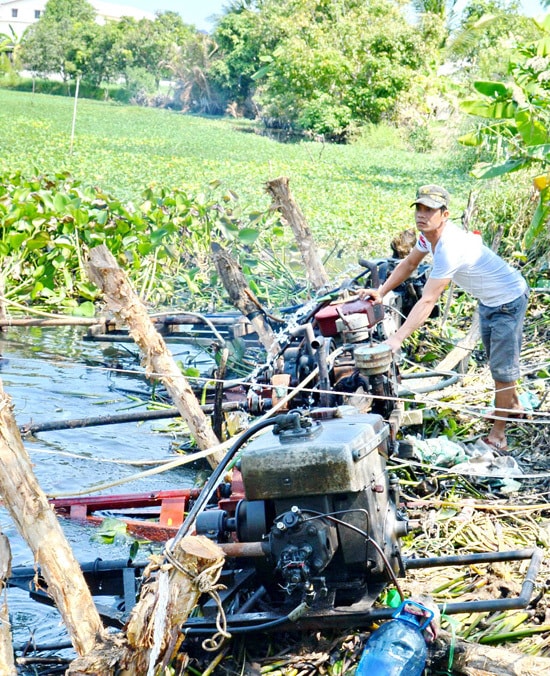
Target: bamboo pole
125 304
284 201
37 523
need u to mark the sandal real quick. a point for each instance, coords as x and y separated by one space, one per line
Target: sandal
499 447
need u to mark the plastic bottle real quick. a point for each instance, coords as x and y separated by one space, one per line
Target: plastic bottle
398 647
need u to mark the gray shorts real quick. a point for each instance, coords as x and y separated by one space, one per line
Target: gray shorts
501 333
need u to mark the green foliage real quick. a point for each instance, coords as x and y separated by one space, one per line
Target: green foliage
66 40
242 44
354 197
56 88
489 32
140 81
420 138
322 116
516 122
58 41
320 66
48 223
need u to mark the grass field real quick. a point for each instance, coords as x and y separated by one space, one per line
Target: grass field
357 194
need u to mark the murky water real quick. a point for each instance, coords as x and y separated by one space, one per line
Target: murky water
53 374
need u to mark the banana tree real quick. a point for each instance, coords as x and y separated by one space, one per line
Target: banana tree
515 123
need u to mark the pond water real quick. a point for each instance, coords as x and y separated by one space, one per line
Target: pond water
54 374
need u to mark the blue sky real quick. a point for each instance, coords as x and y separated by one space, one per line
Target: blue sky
200 12
197 12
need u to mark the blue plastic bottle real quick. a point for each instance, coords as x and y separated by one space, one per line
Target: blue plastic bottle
398 647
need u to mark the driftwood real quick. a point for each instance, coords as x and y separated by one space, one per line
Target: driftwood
7 665
37 523
242 296
473 659
283 200
152 636
159 363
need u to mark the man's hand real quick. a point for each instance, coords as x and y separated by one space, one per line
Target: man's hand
374 294
394 342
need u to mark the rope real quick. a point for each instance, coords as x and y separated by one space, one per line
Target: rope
420 397
203 583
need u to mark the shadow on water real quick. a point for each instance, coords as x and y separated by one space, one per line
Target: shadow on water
53 374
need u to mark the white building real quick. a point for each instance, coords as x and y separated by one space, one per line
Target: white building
20 14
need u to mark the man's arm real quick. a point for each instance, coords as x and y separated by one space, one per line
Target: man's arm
402 272
420 312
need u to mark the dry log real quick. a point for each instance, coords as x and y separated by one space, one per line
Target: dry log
153 636
37 523
473 659
7 665
242 296
283 200
125 304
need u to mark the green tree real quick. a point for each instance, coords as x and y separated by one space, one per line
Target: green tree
514 122
58 41
146 45
189 68
489 31
242 39
322 65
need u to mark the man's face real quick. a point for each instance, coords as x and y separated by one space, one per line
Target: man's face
429 220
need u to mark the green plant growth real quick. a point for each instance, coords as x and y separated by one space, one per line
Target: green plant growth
321 66
48 223
355 197
515 124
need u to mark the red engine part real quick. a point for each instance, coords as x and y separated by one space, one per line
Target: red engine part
327 316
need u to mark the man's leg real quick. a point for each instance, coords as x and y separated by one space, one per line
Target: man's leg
506 402
501 332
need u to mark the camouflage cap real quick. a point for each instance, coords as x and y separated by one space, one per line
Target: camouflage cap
432 196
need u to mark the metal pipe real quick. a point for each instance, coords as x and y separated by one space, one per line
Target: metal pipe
251 622
469 559
32 428
240 549
488 605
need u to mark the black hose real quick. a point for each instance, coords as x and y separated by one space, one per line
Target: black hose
442 384
293 616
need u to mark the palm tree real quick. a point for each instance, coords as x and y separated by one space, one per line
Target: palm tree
10 49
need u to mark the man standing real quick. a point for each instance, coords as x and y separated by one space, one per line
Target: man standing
502 292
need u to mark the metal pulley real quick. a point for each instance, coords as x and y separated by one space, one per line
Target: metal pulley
373 360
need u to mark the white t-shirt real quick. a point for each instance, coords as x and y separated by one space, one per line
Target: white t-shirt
462 257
